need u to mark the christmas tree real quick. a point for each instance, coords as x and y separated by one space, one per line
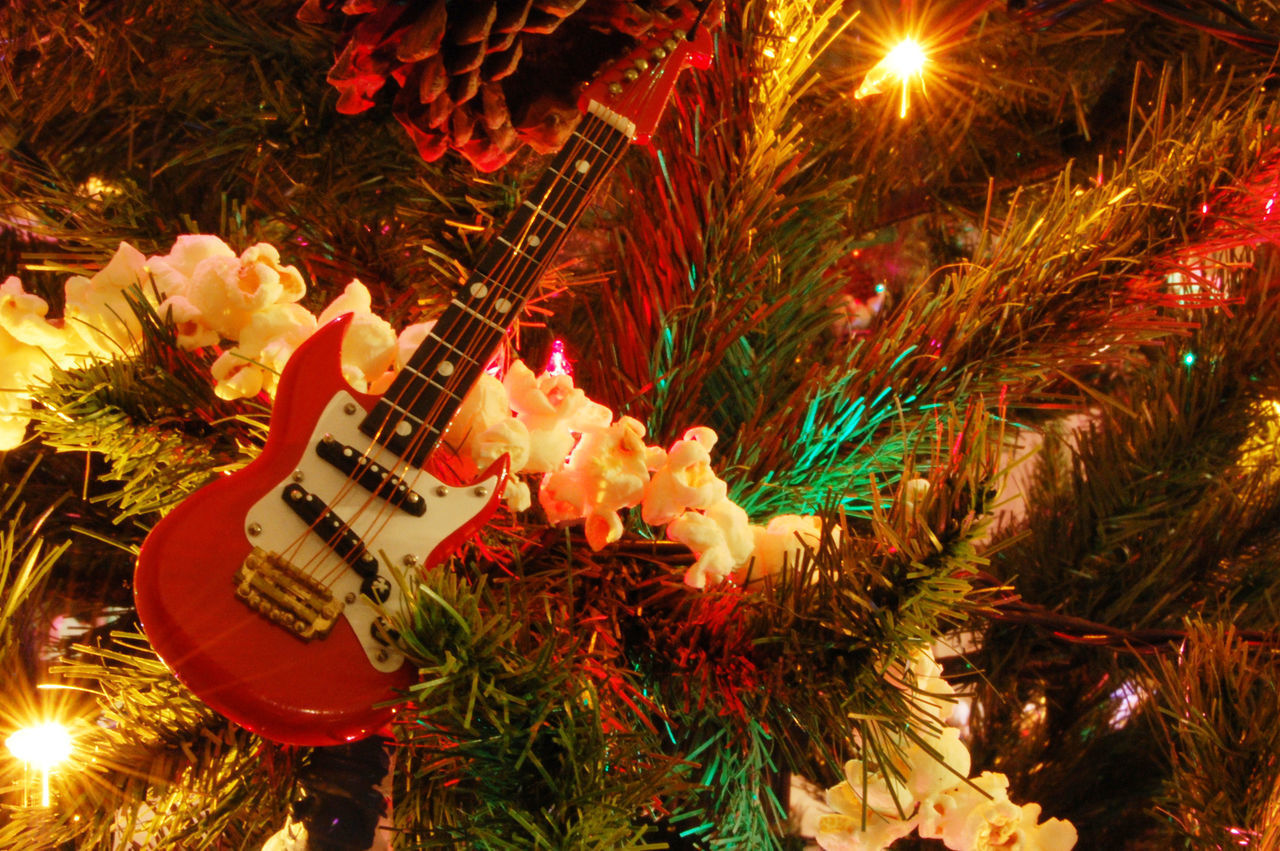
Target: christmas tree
883 454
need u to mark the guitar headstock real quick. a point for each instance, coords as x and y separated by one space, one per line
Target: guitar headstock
637 86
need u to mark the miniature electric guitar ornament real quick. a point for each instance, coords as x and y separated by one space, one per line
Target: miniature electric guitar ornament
265 591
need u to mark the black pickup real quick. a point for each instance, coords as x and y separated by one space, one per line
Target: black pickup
371 476
336 533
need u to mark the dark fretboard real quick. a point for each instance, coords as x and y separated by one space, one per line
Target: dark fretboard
414 412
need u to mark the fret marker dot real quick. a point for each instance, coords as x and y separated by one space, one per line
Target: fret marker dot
479 290
445 368
502 305
403 428
535 241
583 166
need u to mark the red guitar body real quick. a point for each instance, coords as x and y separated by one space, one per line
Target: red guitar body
242 664
271 593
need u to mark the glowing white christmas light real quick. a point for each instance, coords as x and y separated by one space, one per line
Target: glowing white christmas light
42 746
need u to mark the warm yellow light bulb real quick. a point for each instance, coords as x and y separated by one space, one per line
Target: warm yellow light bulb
906 60
42 746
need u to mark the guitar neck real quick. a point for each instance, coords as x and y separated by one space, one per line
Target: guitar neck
412 415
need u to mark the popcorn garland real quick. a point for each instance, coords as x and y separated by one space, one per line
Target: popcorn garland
926 794
209 293
592 466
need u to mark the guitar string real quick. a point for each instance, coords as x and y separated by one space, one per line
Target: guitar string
562 195
389 426
471 323
429 426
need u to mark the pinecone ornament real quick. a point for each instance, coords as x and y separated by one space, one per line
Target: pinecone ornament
482 77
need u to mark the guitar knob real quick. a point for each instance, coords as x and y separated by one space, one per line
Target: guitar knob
377 588
642 64
382 632
630 75
659 53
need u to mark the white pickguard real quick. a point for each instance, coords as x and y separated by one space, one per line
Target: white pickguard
400 541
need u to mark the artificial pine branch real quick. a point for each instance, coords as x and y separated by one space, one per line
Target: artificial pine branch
1217 712
510 741
1170 457
153 417
148 757
155 765
1016 95
1067 257
26 562
243 143
1069 297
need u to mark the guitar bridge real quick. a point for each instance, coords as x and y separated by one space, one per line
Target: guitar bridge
282 594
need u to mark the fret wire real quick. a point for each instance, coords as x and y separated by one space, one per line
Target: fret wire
444 413
594 177
493 282
549 210
588 141
484 307
454 387
502 288
594 174
443 389
512 286
520 223
429 380
453 323
407 413
517 249
525 231
478 315
481 338
562 194
451 348
544 214
545 241
489 343
584 188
